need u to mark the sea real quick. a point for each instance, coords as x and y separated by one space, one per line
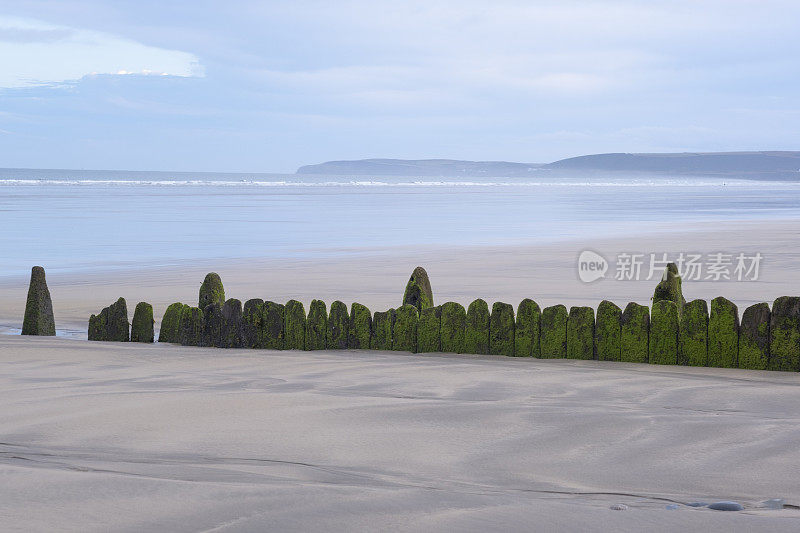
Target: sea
82 220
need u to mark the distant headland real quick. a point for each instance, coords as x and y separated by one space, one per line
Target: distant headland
421 167
748 165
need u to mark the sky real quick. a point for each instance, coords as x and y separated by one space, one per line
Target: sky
267 86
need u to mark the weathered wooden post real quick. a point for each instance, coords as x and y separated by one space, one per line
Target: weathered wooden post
723 333
635 333
316 325
664 333
454 323
527 328
554 332
476 333
754 337
608 332
693 338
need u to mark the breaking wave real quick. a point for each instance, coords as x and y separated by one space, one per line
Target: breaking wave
371 183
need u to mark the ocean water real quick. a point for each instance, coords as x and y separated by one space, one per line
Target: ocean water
70 220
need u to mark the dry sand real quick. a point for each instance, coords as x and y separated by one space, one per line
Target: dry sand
123 437
546 273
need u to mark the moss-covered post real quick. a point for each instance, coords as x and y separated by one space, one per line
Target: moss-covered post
754 337
191 327
580 333
526 329
784 348
404 333
608 332
232 324
38 319
634 333
418 290
723 333
252 326
338 327
669 288
501 329
693 337
554 332
142 324
273 333
295 328
96 328
664 333
361 331
115 318
170 323
211 291
316 325
429 330
382 325
111 324
476 332
212 325
454 323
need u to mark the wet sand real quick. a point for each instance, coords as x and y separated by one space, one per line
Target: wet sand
546 273
124 437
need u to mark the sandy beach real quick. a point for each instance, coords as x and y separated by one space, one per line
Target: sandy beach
545 272
317 206
126 437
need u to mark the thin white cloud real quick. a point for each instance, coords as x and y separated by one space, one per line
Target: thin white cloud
37 53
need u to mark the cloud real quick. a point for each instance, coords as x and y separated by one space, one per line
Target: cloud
308 80
39 53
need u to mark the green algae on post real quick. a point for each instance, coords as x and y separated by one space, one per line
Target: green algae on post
252 324
634 333
784 348
38 319
554 332
212 325
580 333
338 327
476 332
418 290
669 288
211 291
404 332
191 326
526 329
111 324
754 337
382 325
96 328
429 330
453 329
608 332
316 325
295 326
693 335
501 329
360 334
231 324
664 333
170 323
142 324
273 320
723 334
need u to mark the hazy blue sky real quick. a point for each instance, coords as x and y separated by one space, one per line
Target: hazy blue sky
268 86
